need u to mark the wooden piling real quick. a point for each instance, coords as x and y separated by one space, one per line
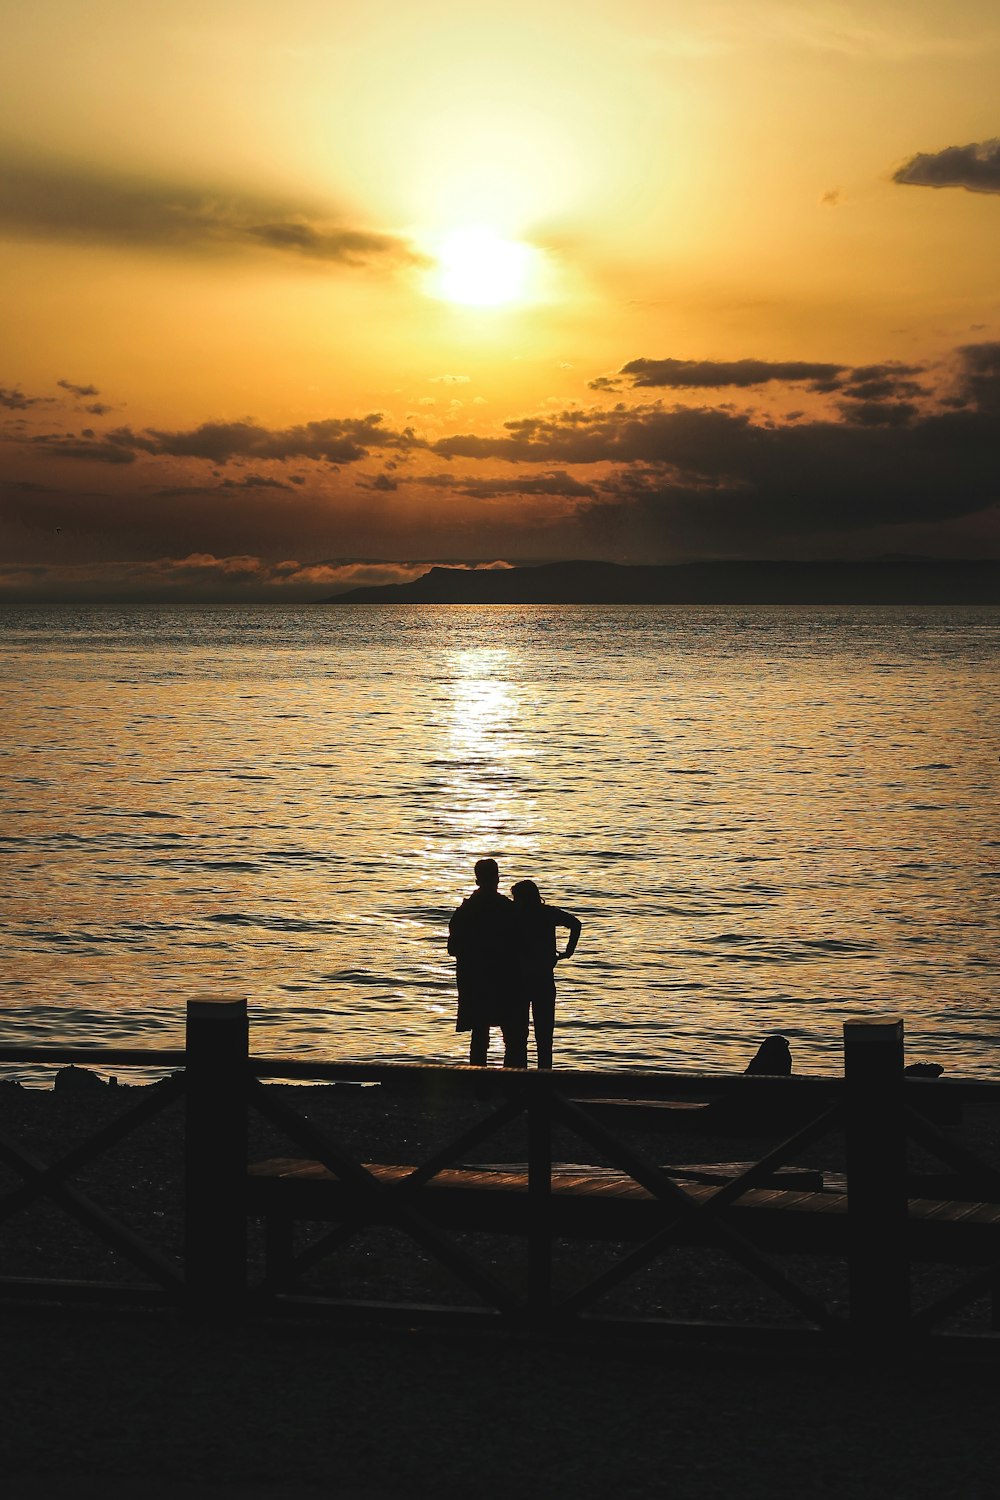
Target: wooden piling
876 1178
215 1157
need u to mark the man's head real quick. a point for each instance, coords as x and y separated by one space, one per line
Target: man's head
487 874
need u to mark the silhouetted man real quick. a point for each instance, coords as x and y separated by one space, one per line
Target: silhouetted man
481 938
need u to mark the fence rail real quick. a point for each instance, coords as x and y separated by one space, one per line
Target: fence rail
583 1082
874 1105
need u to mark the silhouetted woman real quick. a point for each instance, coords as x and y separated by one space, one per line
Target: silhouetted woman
535 926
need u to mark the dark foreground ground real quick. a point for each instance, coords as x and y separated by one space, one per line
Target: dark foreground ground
119 1403
144 1405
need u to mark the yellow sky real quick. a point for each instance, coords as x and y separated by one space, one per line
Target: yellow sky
219 211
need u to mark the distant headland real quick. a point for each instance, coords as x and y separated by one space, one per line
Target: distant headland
875 581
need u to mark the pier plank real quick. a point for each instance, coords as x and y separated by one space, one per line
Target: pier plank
606 1204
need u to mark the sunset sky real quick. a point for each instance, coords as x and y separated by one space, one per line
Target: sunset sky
301 295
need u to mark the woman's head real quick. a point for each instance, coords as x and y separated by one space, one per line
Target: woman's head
526 893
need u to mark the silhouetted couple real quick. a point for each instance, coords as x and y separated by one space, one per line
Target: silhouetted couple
506 956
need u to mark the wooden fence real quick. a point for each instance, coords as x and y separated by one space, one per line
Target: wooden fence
876 1227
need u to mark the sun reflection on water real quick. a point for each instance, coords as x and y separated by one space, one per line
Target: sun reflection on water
489 746
486 745
485 705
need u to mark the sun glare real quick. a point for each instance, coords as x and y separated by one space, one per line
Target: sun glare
479 268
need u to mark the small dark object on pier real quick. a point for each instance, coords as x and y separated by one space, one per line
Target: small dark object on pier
772 1056
74 1080
923 1070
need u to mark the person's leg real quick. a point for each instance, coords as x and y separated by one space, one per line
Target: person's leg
479 1046
515 1048
543 1016
515 1036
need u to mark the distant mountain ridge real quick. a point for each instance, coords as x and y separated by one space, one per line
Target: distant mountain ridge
876 581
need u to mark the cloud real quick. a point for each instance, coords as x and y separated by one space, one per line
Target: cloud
622 434
16 400
43 199
332 440
246 482
975 167
871 413
78 390
869 382
349 247
384 482
130 517
87 448
555 483
450 379
980 375
254 482
880 382
680 373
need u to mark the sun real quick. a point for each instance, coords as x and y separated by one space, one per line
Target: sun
478 267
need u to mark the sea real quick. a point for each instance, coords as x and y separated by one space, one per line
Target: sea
766 819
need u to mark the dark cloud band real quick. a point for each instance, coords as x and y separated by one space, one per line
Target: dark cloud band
719 473
897 446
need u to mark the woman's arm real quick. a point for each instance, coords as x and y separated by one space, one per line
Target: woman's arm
575 928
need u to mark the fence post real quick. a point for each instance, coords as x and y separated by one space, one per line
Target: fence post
878 1265
215 1154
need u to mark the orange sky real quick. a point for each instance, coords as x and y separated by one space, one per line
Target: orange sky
289 288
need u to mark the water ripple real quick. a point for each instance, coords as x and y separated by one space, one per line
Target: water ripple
288 804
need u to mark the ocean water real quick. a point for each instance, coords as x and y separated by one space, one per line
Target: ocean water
766 820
